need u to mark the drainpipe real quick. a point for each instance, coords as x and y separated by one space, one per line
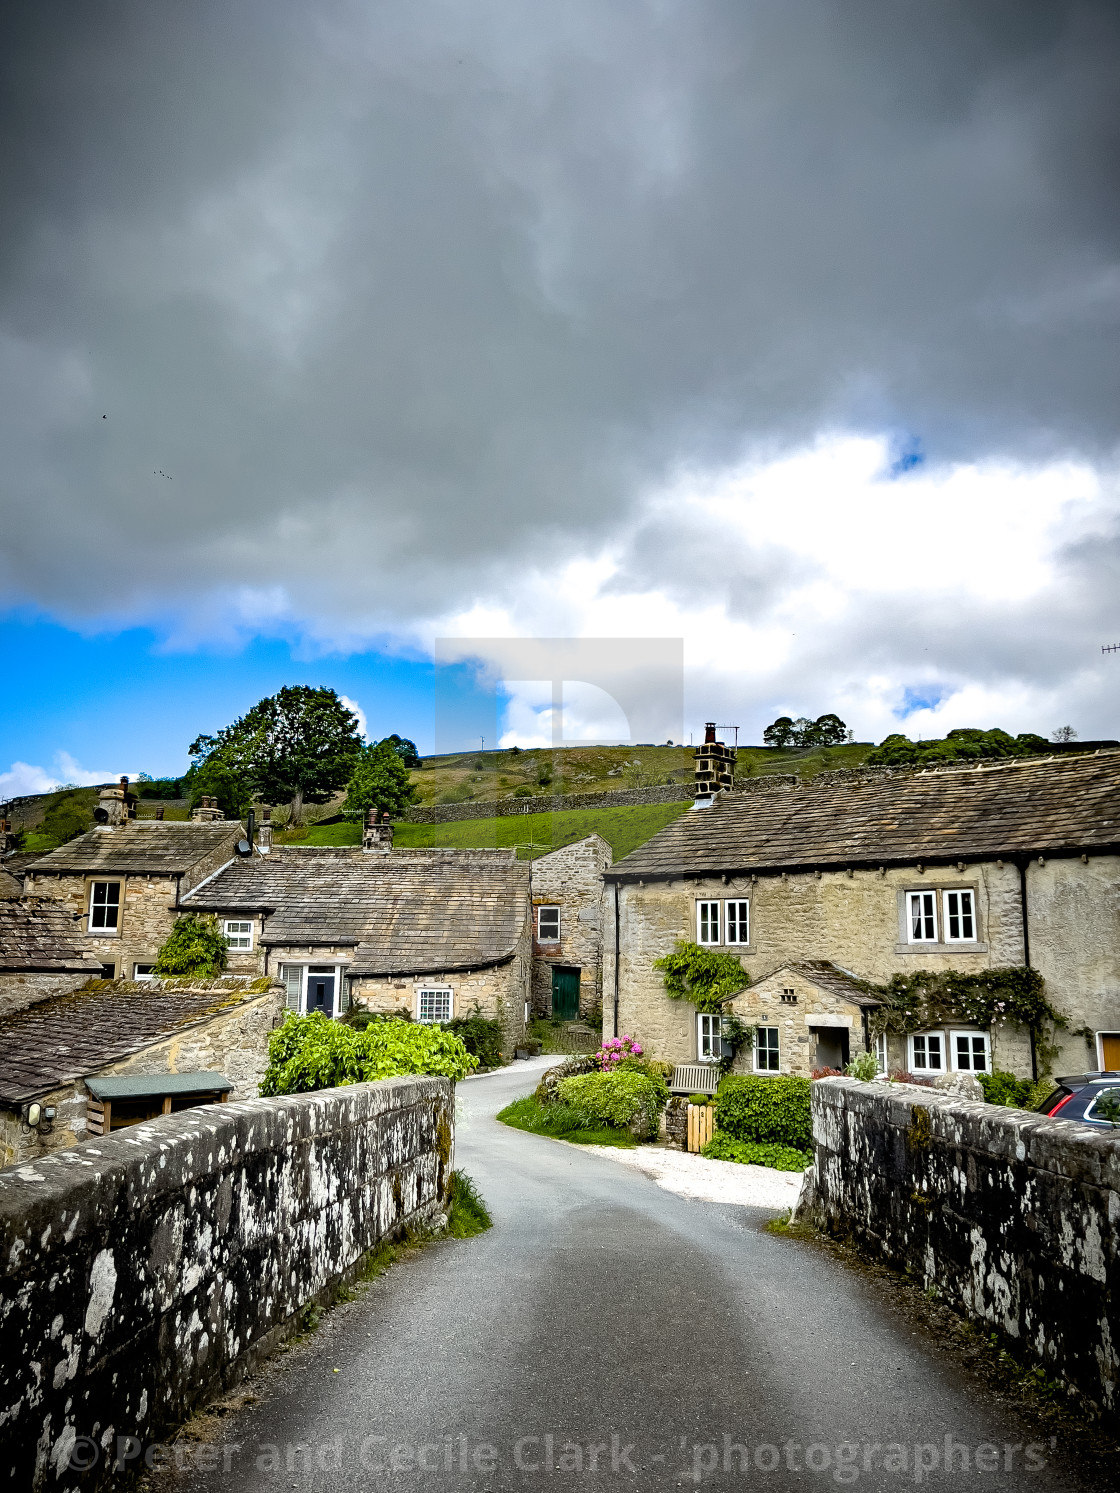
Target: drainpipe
866 1024
1022 866
617 956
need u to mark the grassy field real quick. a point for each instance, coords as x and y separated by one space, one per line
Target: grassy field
533 834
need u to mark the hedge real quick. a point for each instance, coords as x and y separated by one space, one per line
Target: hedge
620 1099
724 1147
314 1052
754 1108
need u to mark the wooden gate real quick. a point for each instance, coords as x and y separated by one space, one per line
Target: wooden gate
701 1123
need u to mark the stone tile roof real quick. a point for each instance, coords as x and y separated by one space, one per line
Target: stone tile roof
841 982
142 846
402 913
979 813
40 934
69 1036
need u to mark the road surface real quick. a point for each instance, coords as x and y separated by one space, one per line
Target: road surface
609 1335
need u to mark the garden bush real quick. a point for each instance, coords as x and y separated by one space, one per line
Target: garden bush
1004 1088
765 1109
480 1036
195 946
724 1147
620 1099
313 1052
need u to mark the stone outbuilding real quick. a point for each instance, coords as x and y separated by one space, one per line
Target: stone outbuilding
42 952
113 1054
813 1011
568 904
956 869
437 934
123 883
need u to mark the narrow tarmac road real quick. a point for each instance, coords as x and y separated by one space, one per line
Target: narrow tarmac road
608 1335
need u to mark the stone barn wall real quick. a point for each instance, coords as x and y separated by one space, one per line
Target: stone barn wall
142 1273
1012 1216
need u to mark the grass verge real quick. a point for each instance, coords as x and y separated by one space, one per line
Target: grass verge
468 1215
562 1122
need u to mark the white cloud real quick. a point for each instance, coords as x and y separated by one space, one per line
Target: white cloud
358 711
24 778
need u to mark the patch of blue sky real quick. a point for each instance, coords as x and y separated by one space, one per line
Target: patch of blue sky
907 456
924 697
122 700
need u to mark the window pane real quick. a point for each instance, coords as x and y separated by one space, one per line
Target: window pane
708 922
766 1049
738 922
435 1005
548 924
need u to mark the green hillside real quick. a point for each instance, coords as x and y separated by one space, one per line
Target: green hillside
533 834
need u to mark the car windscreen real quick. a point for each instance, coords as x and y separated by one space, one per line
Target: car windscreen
1105 1107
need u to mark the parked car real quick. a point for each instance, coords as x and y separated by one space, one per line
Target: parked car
1088 1098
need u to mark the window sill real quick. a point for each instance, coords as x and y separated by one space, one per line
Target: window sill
731 948
103 933
941 948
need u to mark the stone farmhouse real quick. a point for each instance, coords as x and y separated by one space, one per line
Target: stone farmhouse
94 1060
568 901
438 934
124 880
42 952
817 889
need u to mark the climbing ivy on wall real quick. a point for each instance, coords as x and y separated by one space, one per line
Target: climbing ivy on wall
990 999
703 976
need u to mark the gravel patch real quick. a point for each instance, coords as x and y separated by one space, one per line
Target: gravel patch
711 1181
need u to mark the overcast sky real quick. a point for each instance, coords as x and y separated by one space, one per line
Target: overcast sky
788 327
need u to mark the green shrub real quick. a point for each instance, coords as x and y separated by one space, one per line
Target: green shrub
724 1147
313 1052
195 946
467 1214
621 1099
1001 1087
480 1036
774 1109
864 1066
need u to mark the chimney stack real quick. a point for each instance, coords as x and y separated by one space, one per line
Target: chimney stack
264 832
207 810
715 766
378 837
112 805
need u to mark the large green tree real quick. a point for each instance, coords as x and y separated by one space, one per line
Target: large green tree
380 780
298 745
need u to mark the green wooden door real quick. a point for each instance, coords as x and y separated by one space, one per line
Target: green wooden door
565 993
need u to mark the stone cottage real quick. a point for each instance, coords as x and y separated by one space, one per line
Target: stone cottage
1001 864
42 952
435 933
567 887
94 1060
124 881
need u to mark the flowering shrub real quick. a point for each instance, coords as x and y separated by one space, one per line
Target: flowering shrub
614 1050
619 1099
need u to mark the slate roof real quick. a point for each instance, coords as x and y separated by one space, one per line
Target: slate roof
40 934
143 846
409 912
986 812
828 976
69 1036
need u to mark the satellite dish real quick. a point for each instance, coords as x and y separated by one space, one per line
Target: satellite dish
244 848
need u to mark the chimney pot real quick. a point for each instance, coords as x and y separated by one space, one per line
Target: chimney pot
709 731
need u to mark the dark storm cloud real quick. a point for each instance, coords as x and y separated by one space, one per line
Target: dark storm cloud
399 297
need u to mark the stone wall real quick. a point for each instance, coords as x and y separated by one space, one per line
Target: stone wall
548 803
572 879
22 988
498 993
1009 1215
145 1272
146 918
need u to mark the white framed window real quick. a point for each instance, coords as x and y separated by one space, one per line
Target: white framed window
707 922
548 925
709 1030
738 921
433 1003
927 1052
105 906
921 917
959 917
239 933
971 1052
881 1052
766 1051
143 971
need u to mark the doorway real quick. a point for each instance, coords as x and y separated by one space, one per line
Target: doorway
1110 1052
320 988
831 1046
565 993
